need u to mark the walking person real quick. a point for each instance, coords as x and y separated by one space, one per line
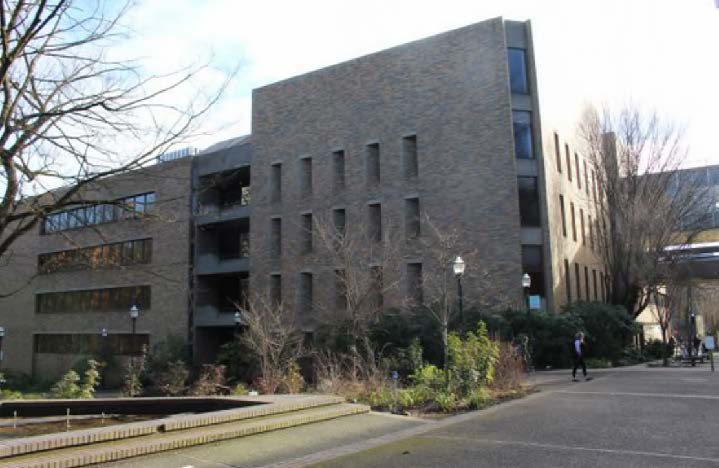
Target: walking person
579 350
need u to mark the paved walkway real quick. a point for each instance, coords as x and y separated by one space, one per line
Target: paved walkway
638 417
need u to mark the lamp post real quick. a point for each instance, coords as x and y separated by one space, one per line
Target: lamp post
134 313
238 322
526 283
103 332
458 267
2 335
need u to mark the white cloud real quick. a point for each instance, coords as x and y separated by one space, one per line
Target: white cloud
661 53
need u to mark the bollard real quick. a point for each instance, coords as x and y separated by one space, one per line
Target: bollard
103 418
14 419
67 420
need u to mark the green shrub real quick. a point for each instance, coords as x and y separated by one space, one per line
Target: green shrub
239 390
293 382
67 387
445 401
598 363
211 381
172 380
654 349
480 398
381 398
7 394
406 398
608 328
91 381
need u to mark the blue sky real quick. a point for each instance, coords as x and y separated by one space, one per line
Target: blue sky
661 54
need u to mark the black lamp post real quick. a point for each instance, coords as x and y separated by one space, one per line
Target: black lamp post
134 313
458 267
103 332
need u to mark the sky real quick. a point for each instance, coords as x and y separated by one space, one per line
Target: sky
660 54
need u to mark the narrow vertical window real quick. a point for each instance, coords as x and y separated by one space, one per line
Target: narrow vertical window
574 222
586 178
414 283
307 233
533 264
522 126
339 219
410 161
567 281
581 222
372 164
306 177
586 283
411 218
276 237
518 82
568 159
341 290
276 290
564 215
558 152
578 281
591 233
594 186
594 280
579 177
374 226
276 182
338 170
528 201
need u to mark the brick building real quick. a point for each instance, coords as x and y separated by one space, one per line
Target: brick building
444 130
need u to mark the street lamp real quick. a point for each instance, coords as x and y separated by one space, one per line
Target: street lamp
134 313
526 283
103 332
458 267
238 321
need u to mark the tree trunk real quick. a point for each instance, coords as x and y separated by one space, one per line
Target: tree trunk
445 347
665 347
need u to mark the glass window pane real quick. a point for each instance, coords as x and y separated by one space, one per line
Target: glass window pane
522 123
518 71
528 201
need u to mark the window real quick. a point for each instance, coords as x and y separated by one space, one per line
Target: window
594 187
276 289
517 70
410 161
306 233
586 178
414 283
306 300
132 207
528 201
591 233
123 344
99 257
567 281
594 280
338 170
374 226
276 182
372 164
581 221
276 237
564 215
233 241
306 177
557 152
411 218
586 283
574 224
576 165
578 281
533 264
569 162
93 300
339 219
522 125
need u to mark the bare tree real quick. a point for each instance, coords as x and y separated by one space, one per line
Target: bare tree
273 335
366 267
642 200
71 117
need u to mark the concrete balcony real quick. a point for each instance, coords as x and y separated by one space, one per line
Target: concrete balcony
210 316
212 214
210 264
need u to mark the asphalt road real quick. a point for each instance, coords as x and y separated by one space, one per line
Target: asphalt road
634 417
629 417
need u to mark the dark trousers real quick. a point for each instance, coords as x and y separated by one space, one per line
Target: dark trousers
579 361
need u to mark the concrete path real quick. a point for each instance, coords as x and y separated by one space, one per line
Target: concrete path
634 417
